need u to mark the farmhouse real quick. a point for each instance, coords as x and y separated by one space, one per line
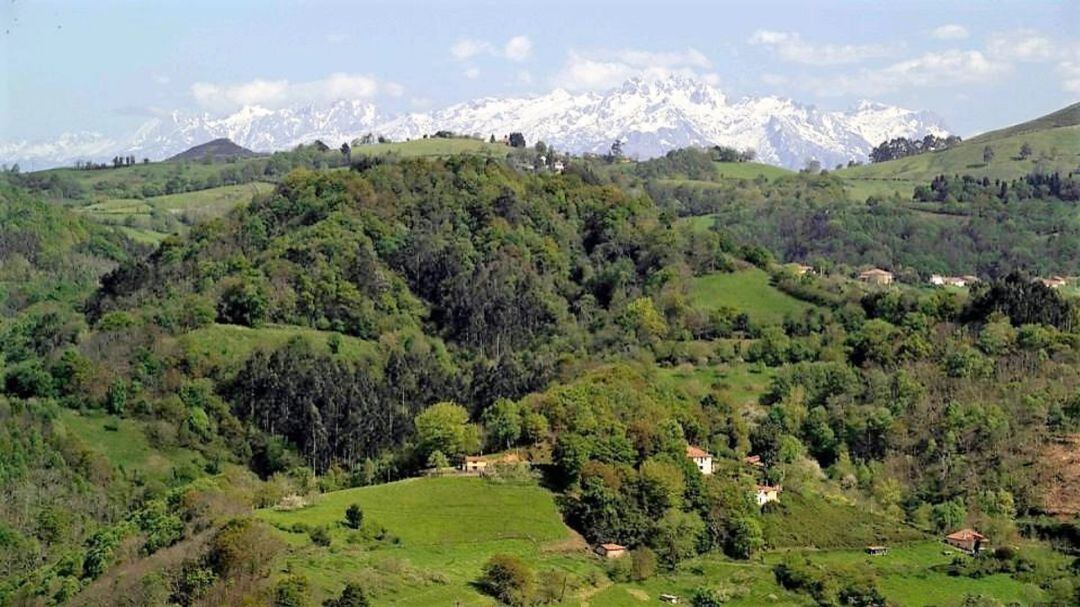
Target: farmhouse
953 281
1054 282
473 463
968 540
876 276
478 464
611 551
768 493
702 458
801 269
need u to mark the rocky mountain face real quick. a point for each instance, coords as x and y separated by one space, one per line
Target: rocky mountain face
650 116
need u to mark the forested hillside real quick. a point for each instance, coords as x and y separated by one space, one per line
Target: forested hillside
358 326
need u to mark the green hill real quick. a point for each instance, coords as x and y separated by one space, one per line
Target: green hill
437 533
1054 140
218 149
434 146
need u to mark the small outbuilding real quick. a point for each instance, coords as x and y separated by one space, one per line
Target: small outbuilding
876 276
473 463
968 540
877 550
611 551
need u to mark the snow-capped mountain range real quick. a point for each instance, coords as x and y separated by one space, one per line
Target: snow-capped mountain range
650 116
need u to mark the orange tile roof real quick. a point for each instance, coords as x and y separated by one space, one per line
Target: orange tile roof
966 534
692 451
612 547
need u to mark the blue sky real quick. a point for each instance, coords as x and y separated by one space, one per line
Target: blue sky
108 66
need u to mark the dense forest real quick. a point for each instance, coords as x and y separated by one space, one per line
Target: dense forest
447 307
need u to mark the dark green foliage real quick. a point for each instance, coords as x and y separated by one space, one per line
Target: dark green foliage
1024 301
354 516
351 596
320 536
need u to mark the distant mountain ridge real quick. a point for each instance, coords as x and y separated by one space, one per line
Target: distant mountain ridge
217 149
650 115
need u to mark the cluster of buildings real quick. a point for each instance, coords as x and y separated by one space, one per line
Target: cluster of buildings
953 281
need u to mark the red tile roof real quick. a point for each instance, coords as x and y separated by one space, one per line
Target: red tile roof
612 547
965 534
692 451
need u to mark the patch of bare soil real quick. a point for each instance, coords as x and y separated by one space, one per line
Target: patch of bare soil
1060 476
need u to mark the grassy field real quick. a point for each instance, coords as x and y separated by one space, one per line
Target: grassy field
434 147
203 203
438 533
124 444
909 575
749 170
444 530
747 291
228 346
743 383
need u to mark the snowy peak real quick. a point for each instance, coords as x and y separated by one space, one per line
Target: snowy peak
650 114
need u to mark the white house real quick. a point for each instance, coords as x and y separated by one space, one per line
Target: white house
768 493
702 458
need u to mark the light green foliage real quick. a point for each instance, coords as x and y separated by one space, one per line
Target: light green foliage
445 427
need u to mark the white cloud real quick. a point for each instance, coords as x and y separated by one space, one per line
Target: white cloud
791 47
942 69
279 93
1070 75
518 48
608 68
525 77
1020 45
950 31
467 49
472 73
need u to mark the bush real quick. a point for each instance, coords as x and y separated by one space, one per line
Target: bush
508 579
706 597
352 596
319 536
292 591
643 562
354 516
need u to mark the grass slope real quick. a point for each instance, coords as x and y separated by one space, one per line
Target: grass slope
136 214
123 442
228 346
747 291
749 170
434 147
446 529
1054 139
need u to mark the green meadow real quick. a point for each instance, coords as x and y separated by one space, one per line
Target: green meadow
437 534
747 291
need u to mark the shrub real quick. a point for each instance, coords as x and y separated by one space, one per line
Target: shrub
643 562
292 591
508 579
354 516
319 536
352 596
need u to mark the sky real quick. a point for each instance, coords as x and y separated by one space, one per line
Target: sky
109 66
